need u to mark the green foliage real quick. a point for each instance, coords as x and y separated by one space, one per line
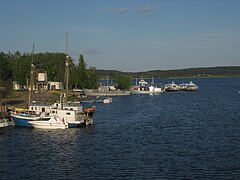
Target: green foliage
5 75
16 67
82 77
5 70
123 82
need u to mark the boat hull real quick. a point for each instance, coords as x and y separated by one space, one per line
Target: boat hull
23 121
3 123
47 125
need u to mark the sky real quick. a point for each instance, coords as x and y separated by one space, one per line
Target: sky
126 35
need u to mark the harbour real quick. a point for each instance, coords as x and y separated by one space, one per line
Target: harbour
175 135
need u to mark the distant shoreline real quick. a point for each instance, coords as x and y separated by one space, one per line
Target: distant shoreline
206 72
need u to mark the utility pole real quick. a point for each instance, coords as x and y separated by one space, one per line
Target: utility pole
31 79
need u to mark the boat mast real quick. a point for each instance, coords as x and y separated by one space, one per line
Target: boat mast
31 80
67 67
152 80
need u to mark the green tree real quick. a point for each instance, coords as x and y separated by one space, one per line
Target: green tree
123 82
5 75
81 76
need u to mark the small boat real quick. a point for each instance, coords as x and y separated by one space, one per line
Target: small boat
3 123
106 100
3 116
23 119
53 123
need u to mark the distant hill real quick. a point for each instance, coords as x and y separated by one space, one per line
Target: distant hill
223 71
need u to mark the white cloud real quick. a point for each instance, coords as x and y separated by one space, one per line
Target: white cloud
119 10
108 9
144 9
122 10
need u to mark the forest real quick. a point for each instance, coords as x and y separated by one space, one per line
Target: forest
16 67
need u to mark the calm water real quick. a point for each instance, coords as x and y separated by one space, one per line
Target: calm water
183 135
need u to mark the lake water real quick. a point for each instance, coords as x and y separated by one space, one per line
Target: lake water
175 135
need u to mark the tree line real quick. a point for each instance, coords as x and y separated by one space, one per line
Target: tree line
16 67
221 71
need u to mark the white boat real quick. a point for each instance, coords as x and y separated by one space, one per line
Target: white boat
106 100
191 86
74 114
143 88
53 123
172 87
140 87
3 123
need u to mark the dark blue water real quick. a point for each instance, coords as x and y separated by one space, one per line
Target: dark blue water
182 135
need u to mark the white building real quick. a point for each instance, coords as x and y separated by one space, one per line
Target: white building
55 85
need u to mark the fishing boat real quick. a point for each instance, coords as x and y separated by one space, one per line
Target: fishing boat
23 118
53 123
74 114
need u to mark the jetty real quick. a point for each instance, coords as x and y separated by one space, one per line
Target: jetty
106 91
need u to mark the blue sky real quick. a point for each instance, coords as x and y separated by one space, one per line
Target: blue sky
127 35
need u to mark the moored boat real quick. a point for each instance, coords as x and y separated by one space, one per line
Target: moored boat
106 100
143 88
23 119
172 87
74 114
53 123
3 123
191 86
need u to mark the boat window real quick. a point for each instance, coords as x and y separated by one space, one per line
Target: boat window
35 108
31 108
68 113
